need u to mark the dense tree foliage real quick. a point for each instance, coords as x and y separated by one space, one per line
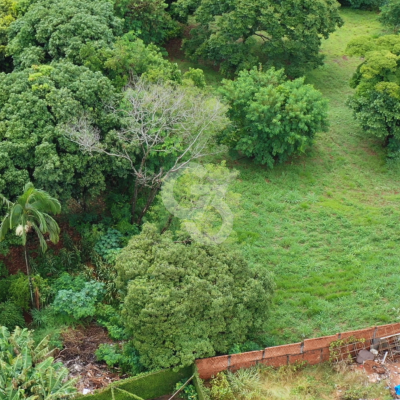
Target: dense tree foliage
148 18
363 4
376 102
240 34
188 301
33 103
198 204
272 118
163 127
131 58
56 29
8 14
28 372
390 14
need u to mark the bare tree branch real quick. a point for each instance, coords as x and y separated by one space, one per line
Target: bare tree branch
172 123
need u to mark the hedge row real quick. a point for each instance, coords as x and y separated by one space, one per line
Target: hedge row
144 387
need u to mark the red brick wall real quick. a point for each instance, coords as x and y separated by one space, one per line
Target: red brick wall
314 351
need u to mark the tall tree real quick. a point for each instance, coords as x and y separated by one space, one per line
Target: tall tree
148 18
240 34
57 29
164 127
376 101
30 214
33 104
390 14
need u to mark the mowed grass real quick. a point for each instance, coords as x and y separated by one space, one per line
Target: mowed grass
327 224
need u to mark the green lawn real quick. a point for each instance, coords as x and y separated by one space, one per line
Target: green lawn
327 223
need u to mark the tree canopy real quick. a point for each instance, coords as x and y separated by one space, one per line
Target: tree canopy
240 34
33 105
376 102
57 29
390 14
189 301
148 18
272 118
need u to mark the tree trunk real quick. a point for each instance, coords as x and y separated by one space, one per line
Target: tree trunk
150 200
29 274
134 201
168 224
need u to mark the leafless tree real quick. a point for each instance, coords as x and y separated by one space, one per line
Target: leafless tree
173 124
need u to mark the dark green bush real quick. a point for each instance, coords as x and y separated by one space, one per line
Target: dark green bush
189 392
124 356
111 319
185 302
272 118
363 4
109 245
79 304
11 315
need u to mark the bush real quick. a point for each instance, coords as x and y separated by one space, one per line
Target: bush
79 303
188 393
364 4
220 388
126 357
11 315
196 76
19 293
188 301
111 319
109 245
272 118
132 57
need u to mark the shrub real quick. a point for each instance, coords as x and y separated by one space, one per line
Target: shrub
111 319
188 393
109 245
272 118
19 292
188 301
126 357
79 304
364 4
11 315
220 388
28 372
196 76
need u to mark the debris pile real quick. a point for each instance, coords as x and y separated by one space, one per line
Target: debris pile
380 358
79 357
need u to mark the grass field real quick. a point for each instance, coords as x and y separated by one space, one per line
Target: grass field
327 223
312 382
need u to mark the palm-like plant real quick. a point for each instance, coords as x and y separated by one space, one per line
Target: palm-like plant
28 372
30 213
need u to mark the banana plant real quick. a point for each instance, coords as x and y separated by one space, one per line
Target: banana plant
28 372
